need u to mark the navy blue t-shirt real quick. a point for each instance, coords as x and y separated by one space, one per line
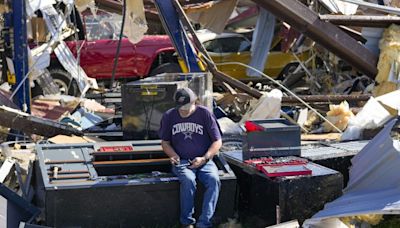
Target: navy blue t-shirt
190 136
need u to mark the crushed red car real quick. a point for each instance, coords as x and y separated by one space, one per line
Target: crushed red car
152 55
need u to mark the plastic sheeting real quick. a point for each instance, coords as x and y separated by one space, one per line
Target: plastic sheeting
34 5
373 115
267 107
213 15
261 43
135 21
374 185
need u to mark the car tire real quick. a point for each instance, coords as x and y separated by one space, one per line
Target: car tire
166 68
287 70
63 79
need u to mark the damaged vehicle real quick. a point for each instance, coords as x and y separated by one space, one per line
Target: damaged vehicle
235 47
152 55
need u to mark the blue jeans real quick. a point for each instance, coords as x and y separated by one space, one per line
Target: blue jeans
208 176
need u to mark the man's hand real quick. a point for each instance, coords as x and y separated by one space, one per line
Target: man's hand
197 162
175 160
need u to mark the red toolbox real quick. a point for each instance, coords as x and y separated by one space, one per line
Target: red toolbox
282 166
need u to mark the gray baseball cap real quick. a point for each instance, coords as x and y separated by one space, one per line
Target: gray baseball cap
184 96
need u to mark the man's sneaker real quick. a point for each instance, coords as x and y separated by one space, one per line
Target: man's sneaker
187 226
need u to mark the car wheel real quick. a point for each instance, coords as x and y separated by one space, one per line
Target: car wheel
287 70
65 82
166 68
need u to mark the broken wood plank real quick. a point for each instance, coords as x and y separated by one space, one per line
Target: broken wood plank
320 137
331 37
28 124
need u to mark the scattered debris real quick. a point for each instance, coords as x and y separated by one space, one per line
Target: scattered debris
326 79
372 116
267 107
18 120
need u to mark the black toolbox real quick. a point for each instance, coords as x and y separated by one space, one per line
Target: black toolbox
271 137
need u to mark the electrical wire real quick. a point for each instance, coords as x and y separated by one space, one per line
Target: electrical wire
284 88
119 45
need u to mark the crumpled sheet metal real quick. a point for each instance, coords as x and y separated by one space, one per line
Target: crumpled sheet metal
374 185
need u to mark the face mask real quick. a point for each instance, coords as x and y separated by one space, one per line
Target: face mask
187 107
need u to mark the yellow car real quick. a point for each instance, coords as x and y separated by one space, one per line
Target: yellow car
234 47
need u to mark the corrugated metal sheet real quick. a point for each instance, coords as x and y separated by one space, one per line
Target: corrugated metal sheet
374 185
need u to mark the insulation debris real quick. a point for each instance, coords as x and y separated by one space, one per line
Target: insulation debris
389 60
339 115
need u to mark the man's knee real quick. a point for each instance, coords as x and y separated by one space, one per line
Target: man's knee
188 180
212 181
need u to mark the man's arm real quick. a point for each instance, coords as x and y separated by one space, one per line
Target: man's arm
211 152
166 146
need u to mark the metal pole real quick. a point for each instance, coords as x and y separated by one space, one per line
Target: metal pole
326 98
21 54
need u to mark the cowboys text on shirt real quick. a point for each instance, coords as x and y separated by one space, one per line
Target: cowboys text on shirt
187 127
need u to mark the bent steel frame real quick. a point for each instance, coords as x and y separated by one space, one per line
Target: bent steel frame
331 37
